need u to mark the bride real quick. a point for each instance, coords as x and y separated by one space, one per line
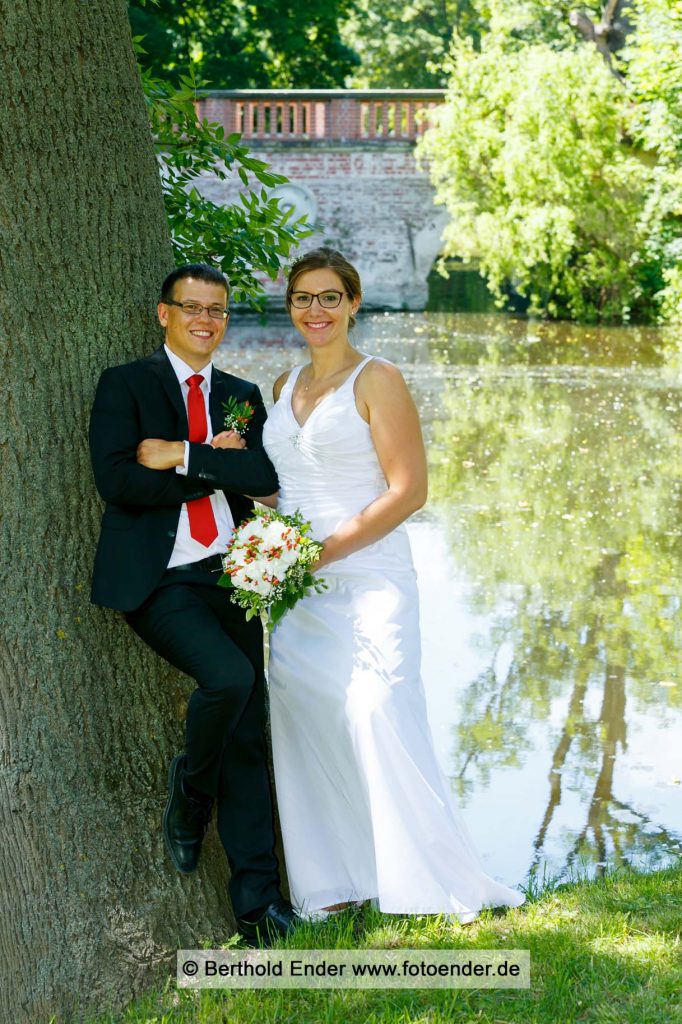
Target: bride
364 808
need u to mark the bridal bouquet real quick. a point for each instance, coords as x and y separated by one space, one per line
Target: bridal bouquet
267 564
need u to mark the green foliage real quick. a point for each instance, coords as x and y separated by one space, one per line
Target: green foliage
245 240
406 45
562 180
238 45
402 45
519 23
528 158
652 64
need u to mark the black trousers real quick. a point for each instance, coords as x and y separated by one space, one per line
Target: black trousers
192 623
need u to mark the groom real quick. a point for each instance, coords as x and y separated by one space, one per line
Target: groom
171 504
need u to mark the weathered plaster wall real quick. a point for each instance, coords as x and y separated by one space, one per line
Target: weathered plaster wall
367 199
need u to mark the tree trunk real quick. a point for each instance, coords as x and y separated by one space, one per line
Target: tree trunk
90 907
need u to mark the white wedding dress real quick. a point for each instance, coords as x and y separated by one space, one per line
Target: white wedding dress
365 810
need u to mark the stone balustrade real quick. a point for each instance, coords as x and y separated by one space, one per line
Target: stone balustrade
322 115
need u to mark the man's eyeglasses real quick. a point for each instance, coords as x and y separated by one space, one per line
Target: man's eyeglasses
195 308
328 299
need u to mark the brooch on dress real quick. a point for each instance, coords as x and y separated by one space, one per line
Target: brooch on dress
296 439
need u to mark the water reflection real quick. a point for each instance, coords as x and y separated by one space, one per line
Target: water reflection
552 608
561 495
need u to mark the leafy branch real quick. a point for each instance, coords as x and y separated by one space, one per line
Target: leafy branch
246 240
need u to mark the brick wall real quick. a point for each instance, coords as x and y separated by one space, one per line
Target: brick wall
364 193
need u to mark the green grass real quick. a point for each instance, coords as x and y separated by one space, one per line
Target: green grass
602 952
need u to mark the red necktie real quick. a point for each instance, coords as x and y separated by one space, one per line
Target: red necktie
202 524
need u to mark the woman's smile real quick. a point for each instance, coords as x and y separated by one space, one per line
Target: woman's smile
317 325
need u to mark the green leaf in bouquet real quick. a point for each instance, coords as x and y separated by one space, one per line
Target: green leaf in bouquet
277 610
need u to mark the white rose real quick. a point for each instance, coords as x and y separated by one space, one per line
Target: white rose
260 586
242 533
275 570
237 557
253 577
288 557
286 554
273 534
259 567
278 566
239 577
245 533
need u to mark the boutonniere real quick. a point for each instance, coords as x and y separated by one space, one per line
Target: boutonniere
237 414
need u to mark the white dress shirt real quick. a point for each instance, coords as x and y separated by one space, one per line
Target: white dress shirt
186 548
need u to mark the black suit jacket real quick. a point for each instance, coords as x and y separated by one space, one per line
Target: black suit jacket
140 400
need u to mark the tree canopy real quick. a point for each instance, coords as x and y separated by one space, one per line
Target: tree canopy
557 152
403 45
239 45
407 45
653 68
561 170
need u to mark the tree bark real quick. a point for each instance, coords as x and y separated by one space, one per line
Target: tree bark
90 907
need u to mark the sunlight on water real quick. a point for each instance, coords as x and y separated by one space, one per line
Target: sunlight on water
550 567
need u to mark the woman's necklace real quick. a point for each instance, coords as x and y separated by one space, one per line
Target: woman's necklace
348 366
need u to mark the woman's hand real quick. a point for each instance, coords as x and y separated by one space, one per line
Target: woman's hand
228 439
320 561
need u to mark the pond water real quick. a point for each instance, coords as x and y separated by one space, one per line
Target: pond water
549 558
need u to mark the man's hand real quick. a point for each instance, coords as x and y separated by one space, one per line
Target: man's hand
157 454
228 439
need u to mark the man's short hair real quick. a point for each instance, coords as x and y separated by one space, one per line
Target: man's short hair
199 271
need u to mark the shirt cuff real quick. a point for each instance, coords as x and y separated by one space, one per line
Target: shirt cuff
182 470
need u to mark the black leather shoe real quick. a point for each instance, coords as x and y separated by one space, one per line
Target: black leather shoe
275 922
185 820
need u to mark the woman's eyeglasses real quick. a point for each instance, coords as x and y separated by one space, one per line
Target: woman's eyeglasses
328 299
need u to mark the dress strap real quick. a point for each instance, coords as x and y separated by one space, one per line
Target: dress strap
356 372
291 379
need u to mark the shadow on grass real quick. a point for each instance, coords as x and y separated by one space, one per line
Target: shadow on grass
602 952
